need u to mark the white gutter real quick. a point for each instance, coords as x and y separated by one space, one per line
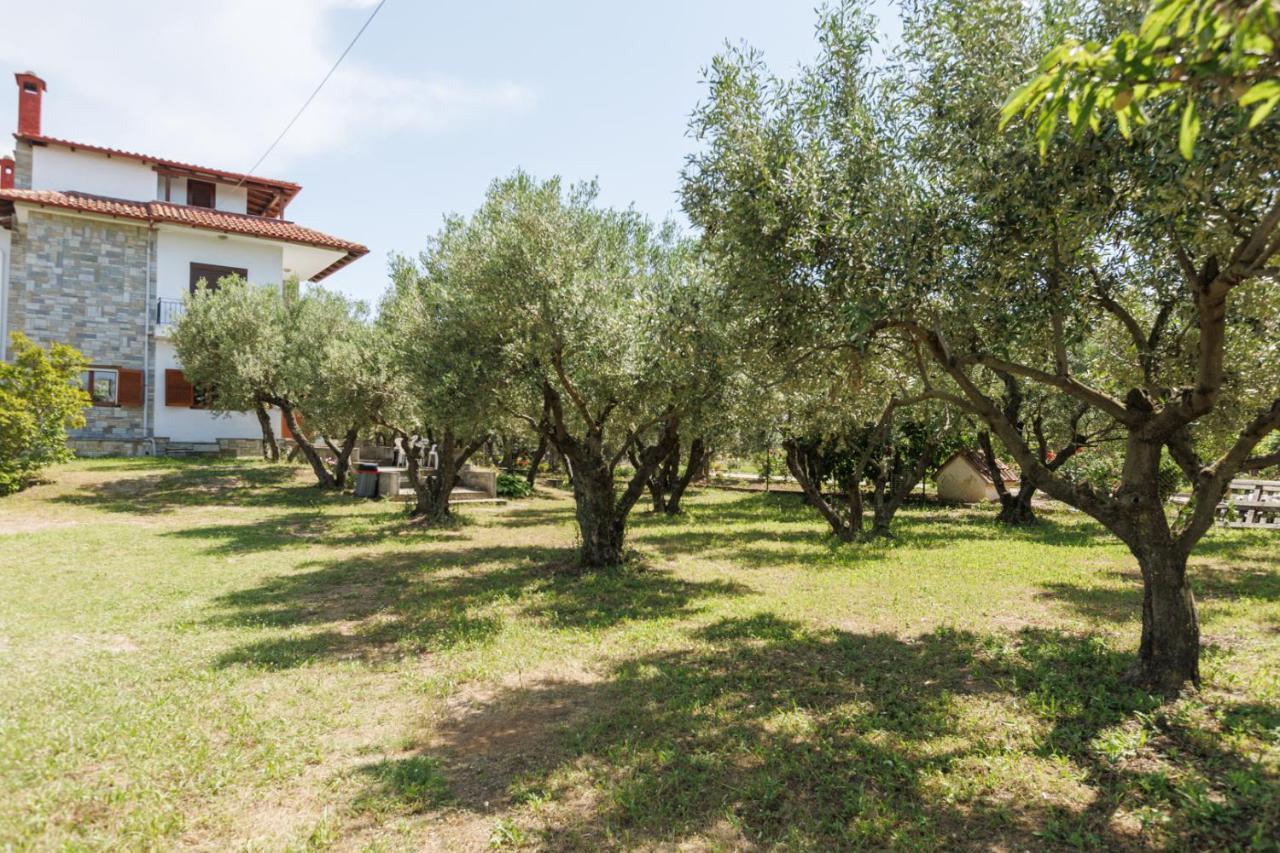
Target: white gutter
148 431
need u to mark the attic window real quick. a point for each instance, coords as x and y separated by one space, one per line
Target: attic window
201 193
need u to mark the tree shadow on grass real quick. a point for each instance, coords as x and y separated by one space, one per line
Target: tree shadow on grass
1259 581
312 527
207 484
760 530
411 602
779 736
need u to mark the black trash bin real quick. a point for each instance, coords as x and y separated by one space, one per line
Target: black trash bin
367 480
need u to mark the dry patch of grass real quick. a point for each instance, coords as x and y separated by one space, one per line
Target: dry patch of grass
218 655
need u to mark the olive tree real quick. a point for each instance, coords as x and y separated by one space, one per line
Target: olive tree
227 341
248 347
594 315
1113 274
447 376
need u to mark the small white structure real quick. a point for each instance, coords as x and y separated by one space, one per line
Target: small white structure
965 478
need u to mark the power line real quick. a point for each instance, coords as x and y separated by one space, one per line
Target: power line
312 97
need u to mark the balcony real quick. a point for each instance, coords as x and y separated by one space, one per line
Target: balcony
168 311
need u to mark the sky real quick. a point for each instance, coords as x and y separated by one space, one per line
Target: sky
435 101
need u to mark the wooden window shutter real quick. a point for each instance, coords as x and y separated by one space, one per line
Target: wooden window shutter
201 194
177 390
212 274
129 392
285 432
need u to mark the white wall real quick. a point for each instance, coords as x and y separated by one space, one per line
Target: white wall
177 248
227 197
4 292
57 168
957 481
183 424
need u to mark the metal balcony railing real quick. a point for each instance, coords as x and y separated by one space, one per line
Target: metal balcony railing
168 311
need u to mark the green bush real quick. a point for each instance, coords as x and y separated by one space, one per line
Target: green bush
40 399
513 486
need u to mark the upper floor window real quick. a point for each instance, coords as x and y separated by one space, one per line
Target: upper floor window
211 274
201 193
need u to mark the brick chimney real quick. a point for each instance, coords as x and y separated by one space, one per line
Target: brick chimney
30 93
6 173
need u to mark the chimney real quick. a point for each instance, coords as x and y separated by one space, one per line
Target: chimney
6 173
30 92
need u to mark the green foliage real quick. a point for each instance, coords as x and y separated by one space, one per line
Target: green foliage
40 399
229 342
513 486
248 343
1182 51
1101 468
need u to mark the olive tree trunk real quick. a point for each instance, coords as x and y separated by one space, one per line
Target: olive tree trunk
536 460
698 456
1169 651
845 526
270 449
303 444
432 487
342 456
895 480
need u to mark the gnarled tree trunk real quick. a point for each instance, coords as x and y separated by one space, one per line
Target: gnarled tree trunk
698 455
270 450
534 461
1169 651
342 456
895 481
323 478
846 526
432 487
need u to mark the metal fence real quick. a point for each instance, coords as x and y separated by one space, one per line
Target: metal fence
168 311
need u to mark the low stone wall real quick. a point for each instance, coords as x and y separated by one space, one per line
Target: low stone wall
235 447
481 481
95 447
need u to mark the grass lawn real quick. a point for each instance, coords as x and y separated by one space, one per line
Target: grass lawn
215 654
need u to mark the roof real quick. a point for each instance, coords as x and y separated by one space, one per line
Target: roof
153 212
271 195
977 460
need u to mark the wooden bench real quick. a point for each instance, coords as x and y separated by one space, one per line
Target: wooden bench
1248 503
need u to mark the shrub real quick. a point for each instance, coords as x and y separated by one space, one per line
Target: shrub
513 486
40 399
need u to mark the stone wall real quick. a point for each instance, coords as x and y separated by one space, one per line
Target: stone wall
22 165
90 447
83 282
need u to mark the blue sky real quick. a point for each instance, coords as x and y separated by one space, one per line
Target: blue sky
435 101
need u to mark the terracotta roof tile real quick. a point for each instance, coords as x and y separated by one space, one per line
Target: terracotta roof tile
977 460
193 217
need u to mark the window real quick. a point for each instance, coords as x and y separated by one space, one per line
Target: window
103 385
210 274
201 193
30 87
180 393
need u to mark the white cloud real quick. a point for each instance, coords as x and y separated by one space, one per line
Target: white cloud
215 82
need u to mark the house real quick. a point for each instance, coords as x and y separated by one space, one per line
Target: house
98 247
965 478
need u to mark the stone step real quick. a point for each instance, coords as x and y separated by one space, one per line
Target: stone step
460 495
192 448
